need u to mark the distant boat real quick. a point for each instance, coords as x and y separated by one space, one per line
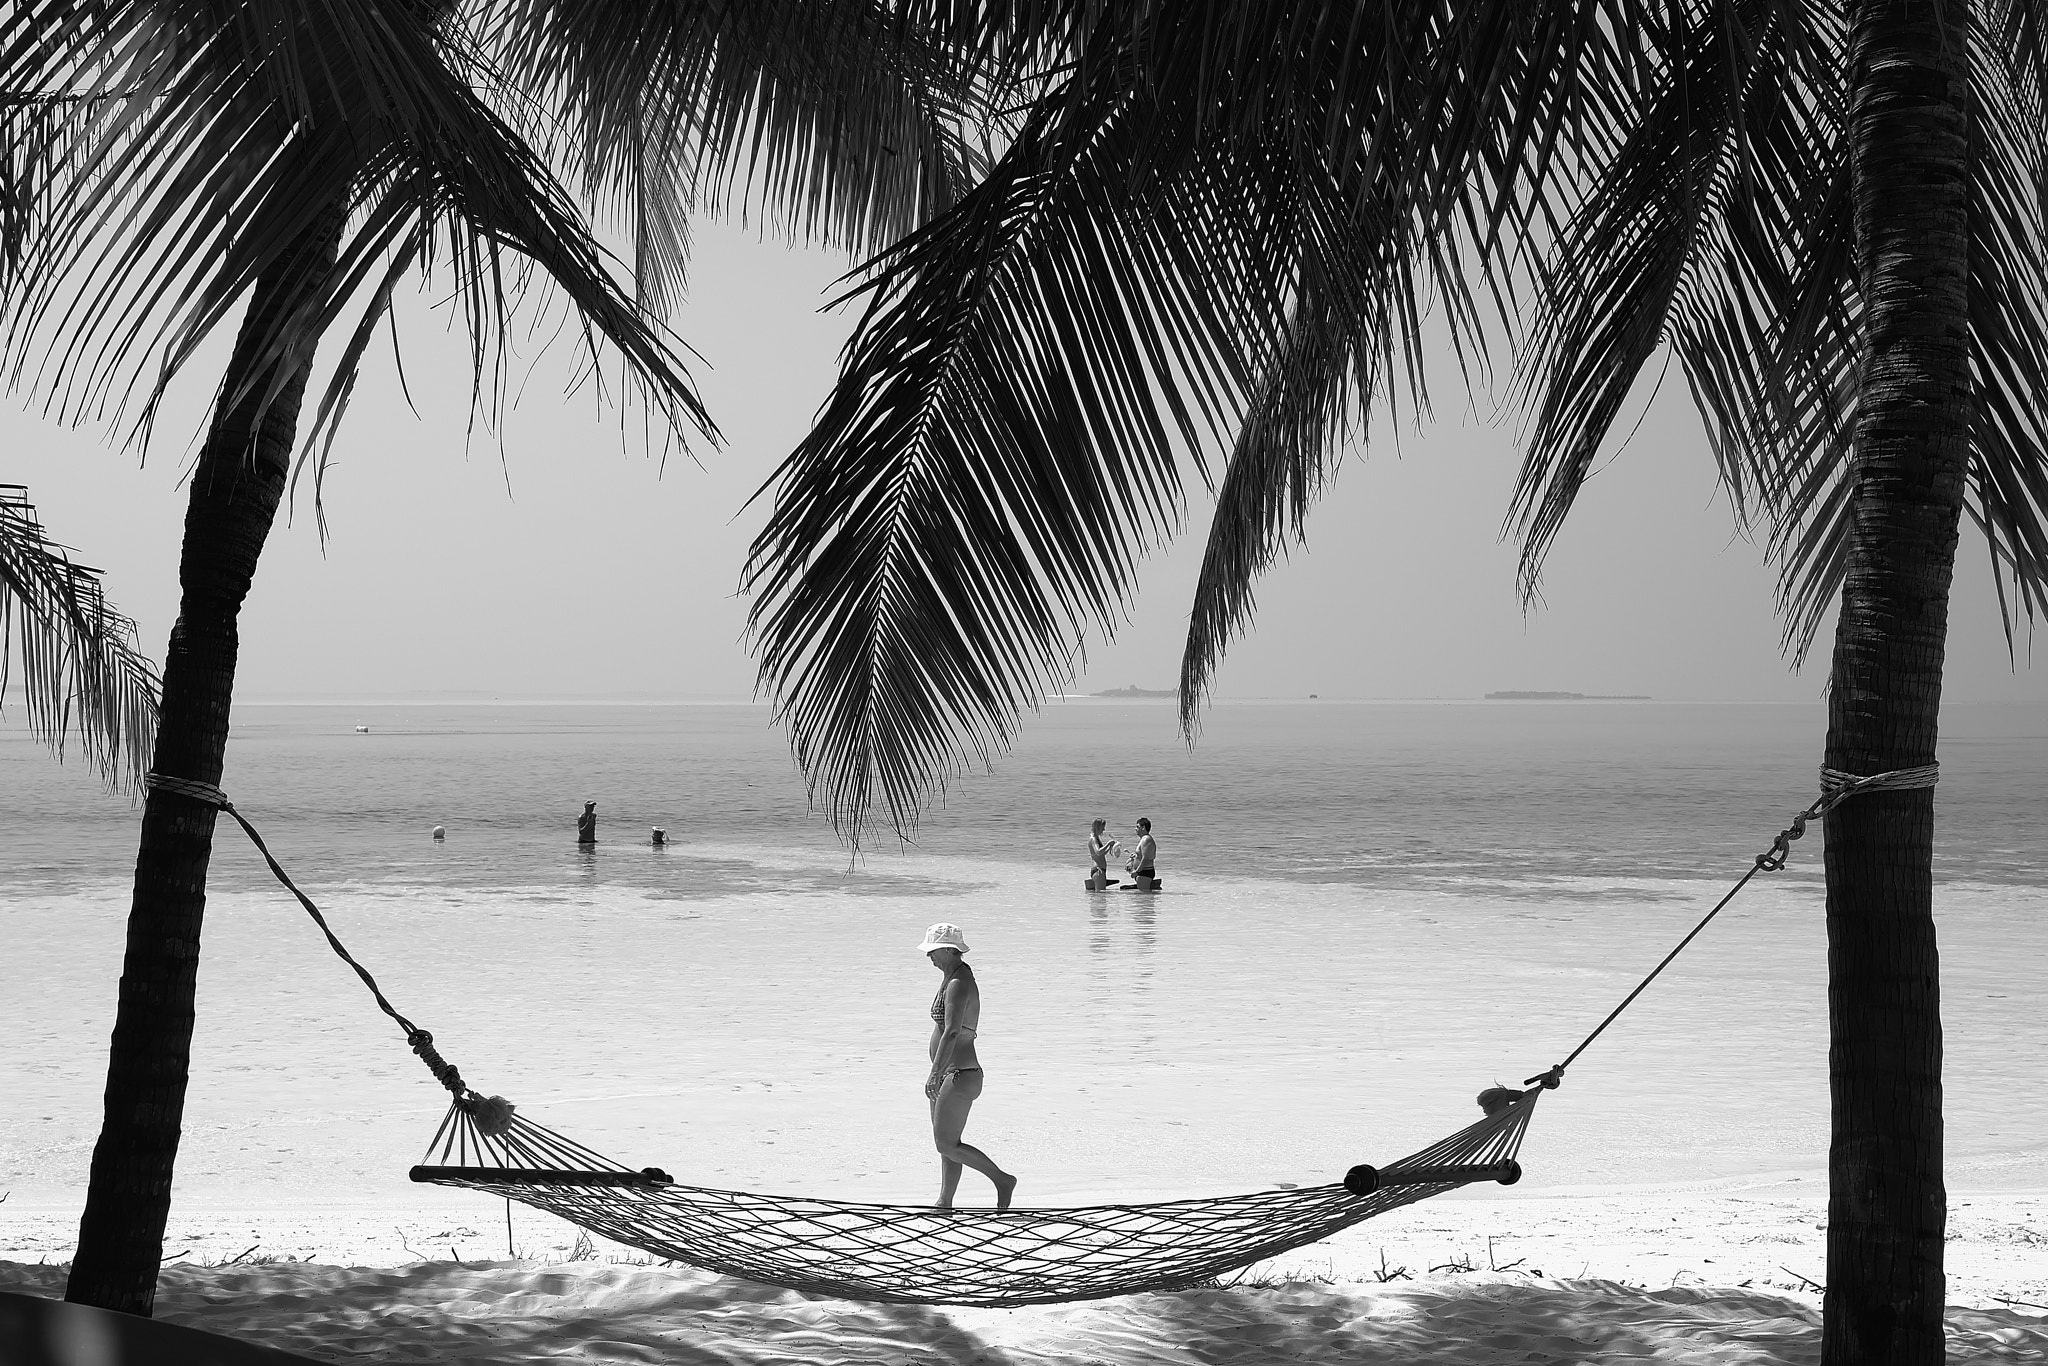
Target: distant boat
362 730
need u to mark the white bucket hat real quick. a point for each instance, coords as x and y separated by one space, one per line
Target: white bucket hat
944 936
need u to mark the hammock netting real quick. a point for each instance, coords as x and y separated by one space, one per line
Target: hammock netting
911 1254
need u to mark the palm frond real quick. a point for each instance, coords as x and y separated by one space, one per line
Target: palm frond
82 672
835 122
1740 256
1002 444
1510 94
1033 368
1687 236
223 137
1815 357
1285 456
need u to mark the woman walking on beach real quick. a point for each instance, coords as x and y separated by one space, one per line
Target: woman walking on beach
955 1080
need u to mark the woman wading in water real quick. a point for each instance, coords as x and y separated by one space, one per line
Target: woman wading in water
955 1080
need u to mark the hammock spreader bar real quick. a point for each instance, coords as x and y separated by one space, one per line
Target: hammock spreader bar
914 1254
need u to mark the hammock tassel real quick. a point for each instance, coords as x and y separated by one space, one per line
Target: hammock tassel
492 1115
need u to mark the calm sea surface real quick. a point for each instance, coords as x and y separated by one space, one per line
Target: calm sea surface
1371 912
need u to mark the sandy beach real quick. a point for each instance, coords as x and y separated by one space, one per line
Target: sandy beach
1246 1030
1728 1275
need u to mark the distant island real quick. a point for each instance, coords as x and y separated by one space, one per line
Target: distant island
1135 691
1567 697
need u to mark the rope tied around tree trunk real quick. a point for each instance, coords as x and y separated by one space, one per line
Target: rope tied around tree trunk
187 787
491 1114
1836 787
1839 784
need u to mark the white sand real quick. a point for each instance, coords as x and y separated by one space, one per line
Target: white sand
293 1225
1697 1276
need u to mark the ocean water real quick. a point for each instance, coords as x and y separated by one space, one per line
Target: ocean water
1371 911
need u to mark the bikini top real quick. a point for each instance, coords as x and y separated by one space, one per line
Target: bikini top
939 1013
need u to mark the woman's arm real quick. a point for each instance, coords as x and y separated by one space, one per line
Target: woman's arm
955 998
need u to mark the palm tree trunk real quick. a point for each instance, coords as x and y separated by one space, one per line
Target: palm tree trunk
1887 1205
235 492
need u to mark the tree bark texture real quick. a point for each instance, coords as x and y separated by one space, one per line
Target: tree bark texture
1887 1206
236 488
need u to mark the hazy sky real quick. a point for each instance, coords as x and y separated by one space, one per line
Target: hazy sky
564 560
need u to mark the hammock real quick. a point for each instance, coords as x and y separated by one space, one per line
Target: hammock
909 1254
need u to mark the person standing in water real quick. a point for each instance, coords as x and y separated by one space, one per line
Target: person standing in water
1099 850
1144 851
586 824
955 1080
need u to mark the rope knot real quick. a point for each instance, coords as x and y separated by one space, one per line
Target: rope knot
1837 786
444 1071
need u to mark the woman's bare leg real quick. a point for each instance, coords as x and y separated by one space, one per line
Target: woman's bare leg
949 1117
949 1170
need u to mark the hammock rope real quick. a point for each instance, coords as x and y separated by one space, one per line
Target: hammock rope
418 1039
1836 787
907 1254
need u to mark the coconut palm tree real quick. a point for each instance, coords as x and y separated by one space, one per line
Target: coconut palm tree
82 672
166 163
1209 241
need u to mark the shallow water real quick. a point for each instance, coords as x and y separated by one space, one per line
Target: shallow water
1371 912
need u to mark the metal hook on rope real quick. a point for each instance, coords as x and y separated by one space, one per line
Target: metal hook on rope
1773 858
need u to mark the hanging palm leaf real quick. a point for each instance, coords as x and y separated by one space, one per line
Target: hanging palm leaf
82 673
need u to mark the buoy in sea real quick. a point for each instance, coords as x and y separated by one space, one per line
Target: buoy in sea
660 837
440 832
362 730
